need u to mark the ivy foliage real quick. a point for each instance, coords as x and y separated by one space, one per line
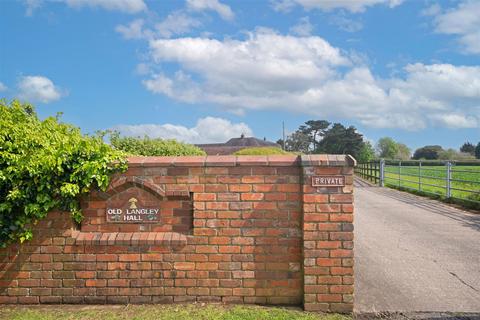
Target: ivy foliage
46 165
153 147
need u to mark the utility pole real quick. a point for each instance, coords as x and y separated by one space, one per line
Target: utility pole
283 134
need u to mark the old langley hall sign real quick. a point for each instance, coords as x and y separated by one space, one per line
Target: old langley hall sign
133 214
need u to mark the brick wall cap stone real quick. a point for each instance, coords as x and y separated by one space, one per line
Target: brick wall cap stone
283 160
155 161
221 161
328 160
190 161
335 160
252 160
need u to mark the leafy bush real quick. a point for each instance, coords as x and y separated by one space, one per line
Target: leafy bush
427 153
153 147
46 165
366 153
452 154
260 151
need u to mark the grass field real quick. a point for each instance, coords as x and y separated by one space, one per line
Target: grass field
431 180
161 312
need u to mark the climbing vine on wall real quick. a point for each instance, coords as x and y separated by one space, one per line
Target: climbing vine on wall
46 165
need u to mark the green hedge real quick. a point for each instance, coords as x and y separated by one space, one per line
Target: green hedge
261 151
46 165
153 147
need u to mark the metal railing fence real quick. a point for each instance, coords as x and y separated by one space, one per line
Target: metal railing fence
456 180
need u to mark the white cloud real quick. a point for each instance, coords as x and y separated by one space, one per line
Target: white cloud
38 88
134 30
463 21
160 84
31 6
308 75
345 24
442 81
127 6
223 10
181 87
142 69
456 120
303 27
328 5
176 23
432 10
3 87
207 130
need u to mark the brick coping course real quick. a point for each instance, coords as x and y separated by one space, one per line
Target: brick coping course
322 160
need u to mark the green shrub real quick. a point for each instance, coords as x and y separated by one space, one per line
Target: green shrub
261 151
153 147
46 165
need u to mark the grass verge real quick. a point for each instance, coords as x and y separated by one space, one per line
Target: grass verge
161 312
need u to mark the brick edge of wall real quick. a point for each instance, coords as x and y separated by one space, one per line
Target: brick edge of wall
328 236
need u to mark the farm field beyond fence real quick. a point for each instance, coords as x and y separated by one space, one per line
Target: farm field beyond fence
435 179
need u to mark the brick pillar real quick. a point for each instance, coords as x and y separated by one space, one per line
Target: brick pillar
328 235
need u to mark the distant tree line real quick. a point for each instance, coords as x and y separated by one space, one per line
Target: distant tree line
321 136
467 151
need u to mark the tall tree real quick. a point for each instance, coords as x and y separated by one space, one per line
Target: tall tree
468 147
367 153
477 151
281 143
341 140
403 152
315 130
387 148
298 142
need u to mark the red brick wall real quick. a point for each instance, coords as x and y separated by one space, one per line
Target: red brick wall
232 229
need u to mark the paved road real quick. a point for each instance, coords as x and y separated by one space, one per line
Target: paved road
414 254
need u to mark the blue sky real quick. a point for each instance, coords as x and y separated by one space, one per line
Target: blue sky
207 70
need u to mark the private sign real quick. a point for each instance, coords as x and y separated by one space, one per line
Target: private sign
328 181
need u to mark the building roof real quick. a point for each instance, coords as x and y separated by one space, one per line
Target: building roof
249 142
235 144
